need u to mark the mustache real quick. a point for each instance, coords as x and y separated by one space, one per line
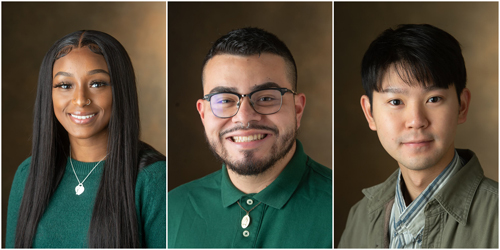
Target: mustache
252 126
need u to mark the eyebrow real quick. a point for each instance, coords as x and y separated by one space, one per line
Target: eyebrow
265 85
97 71
92 72
405 91
221 89
61 73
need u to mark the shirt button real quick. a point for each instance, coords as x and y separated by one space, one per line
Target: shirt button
249 202
246 233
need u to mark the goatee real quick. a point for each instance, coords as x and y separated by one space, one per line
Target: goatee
250 165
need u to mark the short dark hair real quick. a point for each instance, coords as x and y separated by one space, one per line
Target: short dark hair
252 41
419 52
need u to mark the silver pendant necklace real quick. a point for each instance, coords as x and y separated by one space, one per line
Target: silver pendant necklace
246 219
79 189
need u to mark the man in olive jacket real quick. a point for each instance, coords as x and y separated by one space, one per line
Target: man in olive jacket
414 78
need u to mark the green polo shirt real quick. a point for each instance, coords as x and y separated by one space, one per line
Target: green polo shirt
295 210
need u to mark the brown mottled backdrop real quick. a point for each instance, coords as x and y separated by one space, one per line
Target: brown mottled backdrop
306 28
28 31
360 160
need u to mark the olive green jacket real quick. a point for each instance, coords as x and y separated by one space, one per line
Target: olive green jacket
463 214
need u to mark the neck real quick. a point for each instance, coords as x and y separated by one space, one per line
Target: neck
256 183
416 181
89 150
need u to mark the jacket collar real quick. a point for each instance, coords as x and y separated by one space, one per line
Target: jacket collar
279 191
382 193
455 197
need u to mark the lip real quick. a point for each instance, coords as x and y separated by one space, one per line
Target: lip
418 143
82 118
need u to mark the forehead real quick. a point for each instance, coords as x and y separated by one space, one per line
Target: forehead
79 59
401 79
244 72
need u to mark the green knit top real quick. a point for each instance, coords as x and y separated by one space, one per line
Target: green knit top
66 220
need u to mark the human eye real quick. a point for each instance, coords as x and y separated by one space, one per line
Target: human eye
395 102
224 99
97 84
63 85
434 99
266 99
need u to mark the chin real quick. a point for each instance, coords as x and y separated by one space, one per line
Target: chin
418 164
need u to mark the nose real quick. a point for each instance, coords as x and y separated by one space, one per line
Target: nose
80 97
416 117
246 113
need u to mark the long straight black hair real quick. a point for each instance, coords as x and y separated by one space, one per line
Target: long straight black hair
114 219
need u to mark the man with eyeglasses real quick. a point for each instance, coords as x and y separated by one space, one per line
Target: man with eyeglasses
269 193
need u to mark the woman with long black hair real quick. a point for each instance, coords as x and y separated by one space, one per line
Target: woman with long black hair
90 181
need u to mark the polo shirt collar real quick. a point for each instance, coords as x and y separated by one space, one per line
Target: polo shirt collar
279 191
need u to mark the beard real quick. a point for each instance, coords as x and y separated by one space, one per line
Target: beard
250 165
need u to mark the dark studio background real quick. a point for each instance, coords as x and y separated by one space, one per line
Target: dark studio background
360 160
30 29
306 28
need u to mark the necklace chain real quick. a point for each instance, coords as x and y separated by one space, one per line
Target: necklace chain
250 209
80 184
245 222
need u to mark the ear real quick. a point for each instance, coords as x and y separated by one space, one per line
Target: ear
464 105
300 104
200 106
365 105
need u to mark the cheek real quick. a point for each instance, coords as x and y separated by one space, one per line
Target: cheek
213 125
388 128
58 102
446 124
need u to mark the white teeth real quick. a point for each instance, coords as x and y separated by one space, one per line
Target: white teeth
247 138
82 117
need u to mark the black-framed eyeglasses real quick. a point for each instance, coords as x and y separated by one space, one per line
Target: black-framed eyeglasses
263 101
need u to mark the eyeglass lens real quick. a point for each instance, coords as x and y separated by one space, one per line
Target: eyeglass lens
265 102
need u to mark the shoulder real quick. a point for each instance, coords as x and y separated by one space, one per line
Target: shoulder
152 166
152 178
472 173
490 186
24 166
200 190
357 224
21 174
319 177
15 197
20 177
320 170
207 184
155 170
485 199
